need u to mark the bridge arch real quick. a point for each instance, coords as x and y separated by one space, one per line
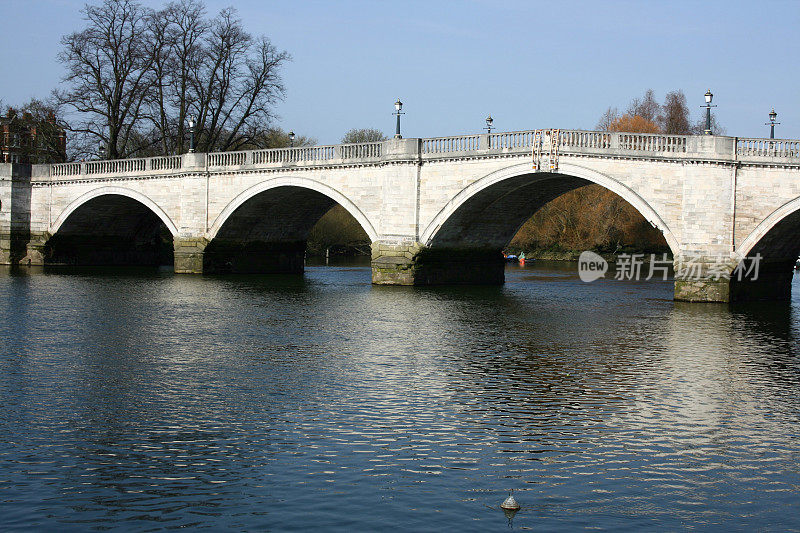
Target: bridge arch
767 256
265 228
781 221
110 226
118 191
301 182
502 183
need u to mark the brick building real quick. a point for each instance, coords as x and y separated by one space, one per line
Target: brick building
28 139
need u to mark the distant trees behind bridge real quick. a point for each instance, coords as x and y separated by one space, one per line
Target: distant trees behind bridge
363 135
646 115
594 218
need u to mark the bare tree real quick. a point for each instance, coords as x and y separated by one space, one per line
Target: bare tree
675 117
607 119
363 135
177 33
108 72
646 107
237 83
699 127
135 75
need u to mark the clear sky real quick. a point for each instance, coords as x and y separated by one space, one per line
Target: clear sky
530 64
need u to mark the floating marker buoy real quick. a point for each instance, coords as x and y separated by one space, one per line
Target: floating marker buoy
510 504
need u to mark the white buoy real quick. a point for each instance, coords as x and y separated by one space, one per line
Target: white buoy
510 504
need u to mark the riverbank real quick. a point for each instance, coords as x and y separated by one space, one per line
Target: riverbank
558 254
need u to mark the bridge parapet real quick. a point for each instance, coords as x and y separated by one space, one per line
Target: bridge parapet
302 156
620 144
768 148
569 142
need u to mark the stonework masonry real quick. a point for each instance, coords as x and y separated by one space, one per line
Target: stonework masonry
438 211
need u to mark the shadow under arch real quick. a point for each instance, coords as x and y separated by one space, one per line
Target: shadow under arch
265 228
767 257
490 211
111 226
119 191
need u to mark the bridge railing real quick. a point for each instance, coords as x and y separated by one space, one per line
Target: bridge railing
510 140
567 139
273 156
515 142
457 143
117 166
361 150
644 142
585 139
767 147
300 154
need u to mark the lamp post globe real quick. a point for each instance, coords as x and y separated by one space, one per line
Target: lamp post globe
291 139
772 117
489 122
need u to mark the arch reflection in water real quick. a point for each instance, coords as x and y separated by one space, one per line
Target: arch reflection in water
182 401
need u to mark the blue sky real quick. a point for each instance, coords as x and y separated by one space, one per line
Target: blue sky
530 64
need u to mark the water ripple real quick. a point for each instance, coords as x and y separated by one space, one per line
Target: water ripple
161 402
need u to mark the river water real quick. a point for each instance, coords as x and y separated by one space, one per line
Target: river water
144 400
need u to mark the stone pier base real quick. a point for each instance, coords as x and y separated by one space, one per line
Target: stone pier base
713 282
188 255
5 249
702 290
702 279
35 250
22 248
414 264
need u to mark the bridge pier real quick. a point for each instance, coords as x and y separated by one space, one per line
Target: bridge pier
20 248
412 263
709 281
6 250
15 212
702 290
701 279
188 254
35 250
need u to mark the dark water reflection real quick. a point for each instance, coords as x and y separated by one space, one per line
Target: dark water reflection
148 401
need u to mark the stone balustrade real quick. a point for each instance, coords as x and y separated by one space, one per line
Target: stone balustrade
576 142
768 148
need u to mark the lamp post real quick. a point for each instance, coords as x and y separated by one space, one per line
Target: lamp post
708 107
772 116
489 122
398 105
101 151
291 139
192 124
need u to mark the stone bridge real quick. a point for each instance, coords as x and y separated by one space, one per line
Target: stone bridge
437 210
